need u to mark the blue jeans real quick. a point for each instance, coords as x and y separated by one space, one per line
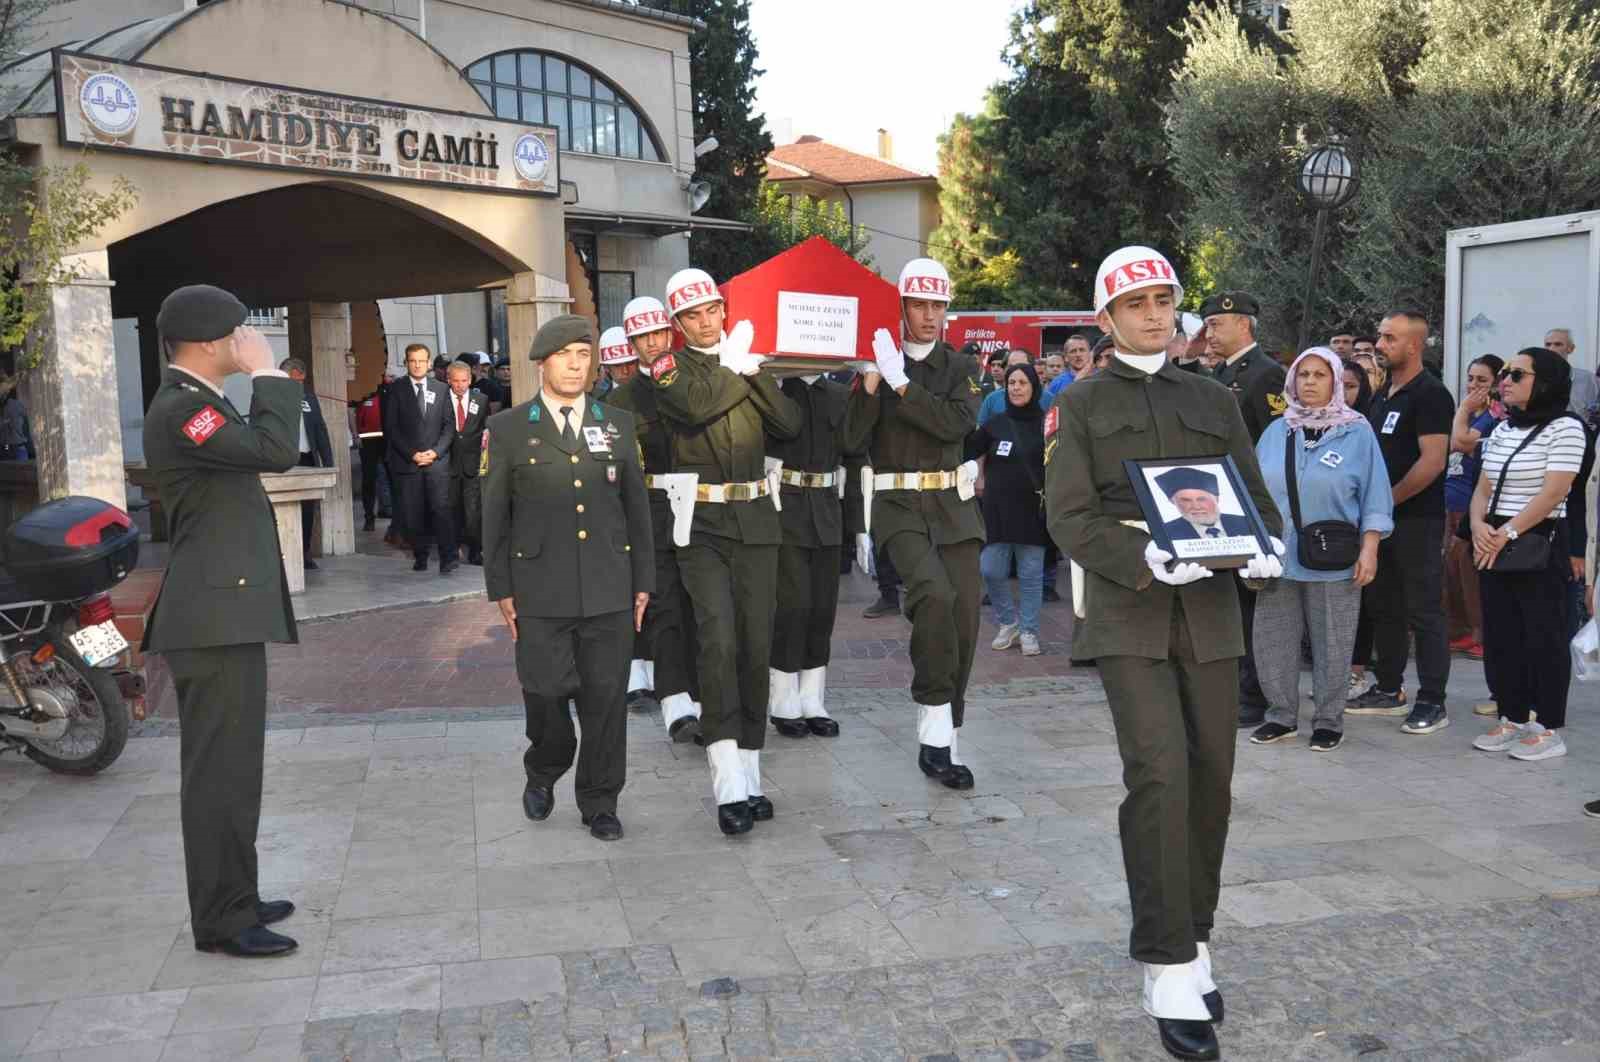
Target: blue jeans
995 565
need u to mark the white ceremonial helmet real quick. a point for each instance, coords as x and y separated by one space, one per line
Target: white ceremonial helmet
1131 268
644 314
923 278
689 288
615 348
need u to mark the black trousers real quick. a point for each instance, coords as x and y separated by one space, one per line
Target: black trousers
372 451
222 713
668 637
466 510
1249 686
1525 643
808 601
585 660
308 510
888 577
1407 597
423 499
733 587
943 591
1177 725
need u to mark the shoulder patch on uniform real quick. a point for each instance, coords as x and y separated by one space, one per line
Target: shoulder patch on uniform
1277 404
1052 420
203 425
664 366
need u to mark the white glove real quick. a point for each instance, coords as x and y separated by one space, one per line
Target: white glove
966 480
891 360
864 553
737 342
1262 566
1183 573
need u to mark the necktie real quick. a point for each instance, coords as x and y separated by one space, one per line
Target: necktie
422 402
1213 532
567 435
461 413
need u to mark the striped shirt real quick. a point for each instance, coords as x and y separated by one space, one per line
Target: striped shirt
1558 448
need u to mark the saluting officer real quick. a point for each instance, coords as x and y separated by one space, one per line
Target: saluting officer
912 411
1166 640
223 598
568 558
664 650
808 561
1257 381
721 408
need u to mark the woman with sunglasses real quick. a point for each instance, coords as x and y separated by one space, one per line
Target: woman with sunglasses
1529 464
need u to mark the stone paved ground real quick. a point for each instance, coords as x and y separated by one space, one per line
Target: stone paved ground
1402 897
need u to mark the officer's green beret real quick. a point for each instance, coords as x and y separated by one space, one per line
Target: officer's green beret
199 313
1230 302
557 333
1175 479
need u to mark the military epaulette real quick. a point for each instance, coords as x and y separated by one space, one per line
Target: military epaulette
533 412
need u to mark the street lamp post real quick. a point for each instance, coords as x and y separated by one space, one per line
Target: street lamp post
1328 178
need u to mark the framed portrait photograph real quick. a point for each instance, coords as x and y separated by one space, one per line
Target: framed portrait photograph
1198 509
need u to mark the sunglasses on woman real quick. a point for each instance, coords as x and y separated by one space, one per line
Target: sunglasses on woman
1516 375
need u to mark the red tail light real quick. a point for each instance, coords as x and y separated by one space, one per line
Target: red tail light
95 610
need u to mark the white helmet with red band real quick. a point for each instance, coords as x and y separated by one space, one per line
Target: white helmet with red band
615 348
923 278
689 288
644 314
1130 269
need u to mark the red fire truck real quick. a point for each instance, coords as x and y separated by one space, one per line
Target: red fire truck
1036 331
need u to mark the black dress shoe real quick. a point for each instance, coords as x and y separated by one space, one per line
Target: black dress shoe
1213 1002
420 564
822 726
642 701
734 819
684 730
537 800
935 763
257 942
446 567
792 728
1189 1039
760 809
604 826
270 911
310 565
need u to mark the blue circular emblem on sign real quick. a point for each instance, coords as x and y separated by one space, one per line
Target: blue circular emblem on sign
531 156
109 103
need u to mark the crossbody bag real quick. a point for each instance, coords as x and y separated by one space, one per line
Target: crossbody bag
1530 550
1327 545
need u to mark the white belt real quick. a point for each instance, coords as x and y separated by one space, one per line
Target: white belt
720 493
913 481
371 435
653 483
807 479
1078 608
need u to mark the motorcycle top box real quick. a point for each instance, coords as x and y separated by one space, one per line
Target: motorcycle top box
71 548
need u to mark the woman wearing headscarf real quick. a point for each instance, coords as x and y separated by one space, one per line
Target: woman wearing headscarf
1339 494
1011 447
1529 464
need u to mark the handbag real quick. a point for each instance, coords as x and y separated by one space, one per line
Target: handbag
1327 545
1530 551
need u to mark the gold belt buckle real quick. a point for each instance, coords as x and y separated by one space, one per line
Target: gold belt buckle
930 481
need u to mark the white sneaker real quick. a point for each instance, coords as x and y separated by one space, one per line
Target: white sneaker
1539 744
1502 737
1006 637
1030 644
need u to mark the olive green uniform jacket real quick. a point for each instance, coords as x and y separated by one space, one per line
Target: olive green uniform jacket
566 528
1257 381
813 516
1095 425
225 583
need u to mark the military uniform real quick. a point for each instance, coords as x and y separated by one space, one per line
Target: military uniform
566 535
808 560
933 537
1167 655
668 638
223 597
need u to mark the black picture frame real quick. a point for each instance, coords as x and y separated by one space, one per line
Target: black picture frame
1162 515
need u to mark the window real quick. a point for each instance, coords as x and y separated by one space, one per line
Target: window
616 289
592 115
264 317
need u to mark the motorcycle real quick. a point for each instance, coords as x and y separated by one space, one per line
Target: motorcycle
64 687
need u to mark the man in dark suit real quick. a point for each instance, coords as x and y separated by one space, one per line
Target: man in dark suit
568 557
418 430
223 598
469 412
1194 492
316 449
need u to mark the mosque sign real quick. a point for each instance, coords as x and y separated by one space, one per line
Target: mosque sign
109 105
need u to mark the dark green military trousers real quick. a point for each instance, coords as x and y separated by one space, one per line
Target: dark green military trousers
667 637
222 715
583 660
942 594
733 587
808 601
1177 722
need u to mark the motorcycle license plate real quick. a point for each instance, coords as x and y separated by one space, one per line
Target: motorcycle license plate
99 643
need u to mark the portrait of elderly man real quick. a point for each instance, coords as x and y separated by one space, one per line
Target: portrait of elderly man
1196 495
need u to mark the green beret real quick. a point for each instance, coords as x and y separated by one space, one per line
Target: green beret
557 333
199 313
1230 302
